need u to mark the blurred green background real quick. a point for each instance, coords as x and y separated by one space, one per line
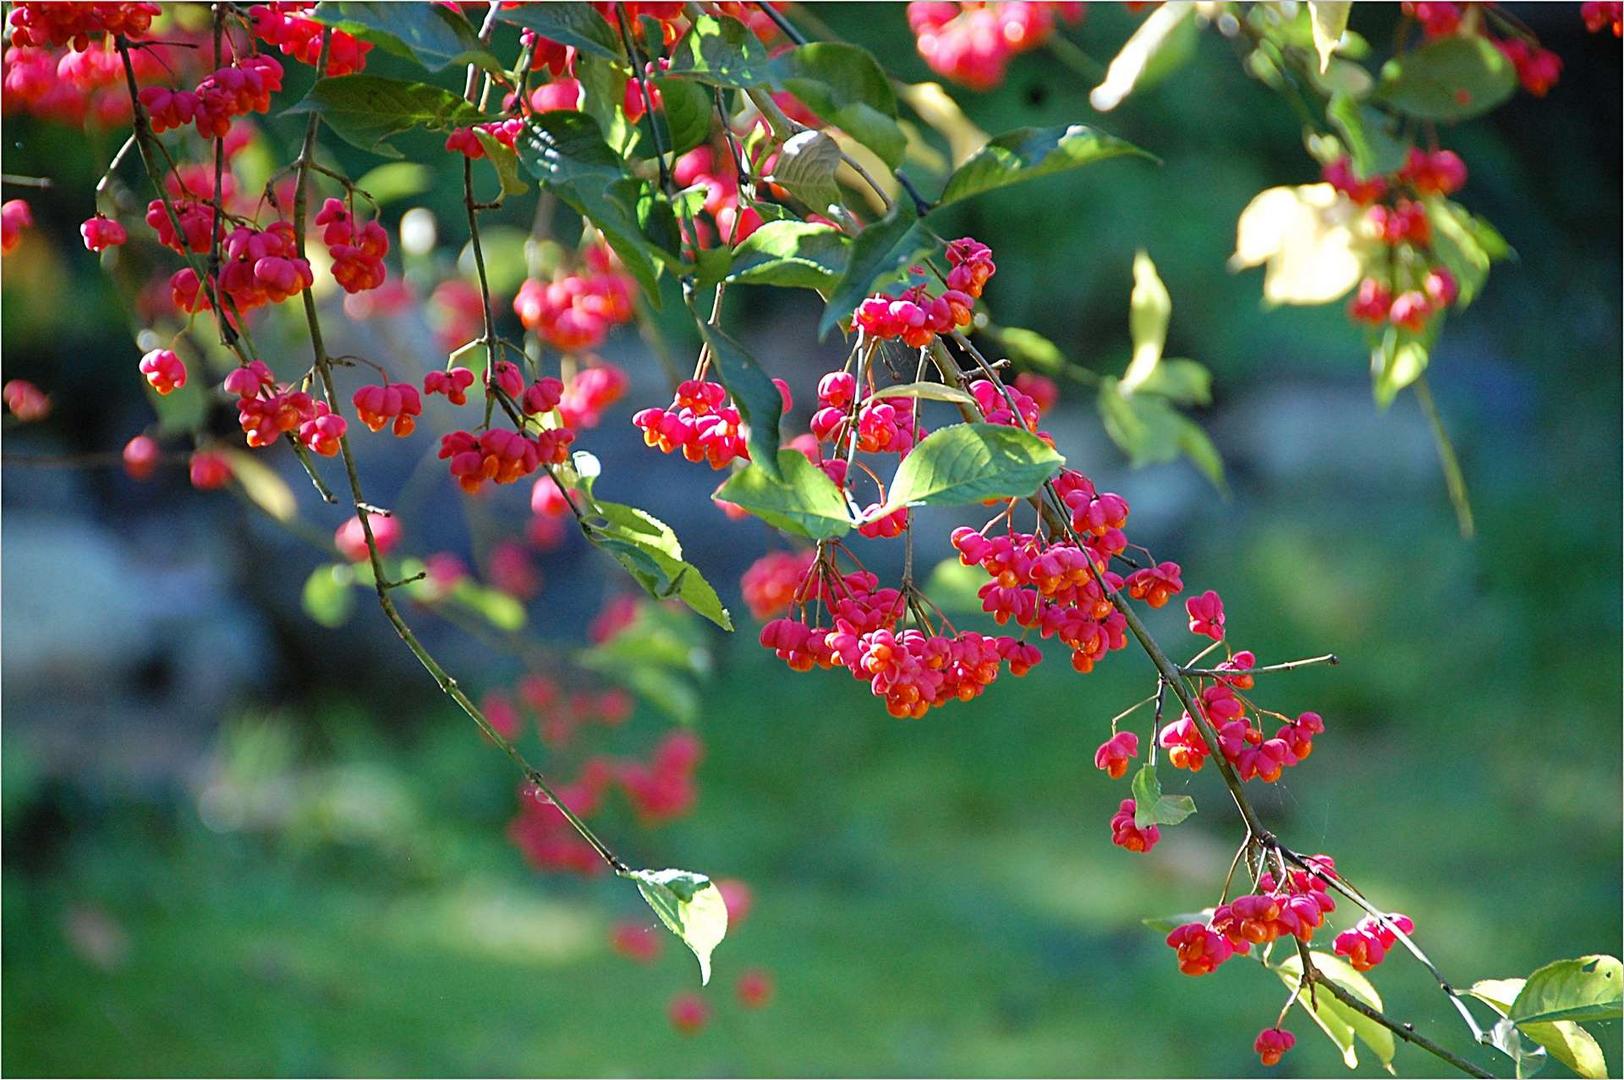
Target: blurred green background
307 873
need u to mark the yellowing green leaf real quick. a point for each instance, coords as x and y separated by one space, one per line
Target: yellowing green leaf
1329 19
1149 310
1304 238
690 906
262 485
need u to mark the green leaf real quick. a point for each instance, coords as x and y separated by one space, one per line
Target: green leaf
396 180
500 609
970 463
685 114
846 86
1161 41
1166 924
262 484
1150 308
1183 381
365 110
1152 432
326 596
755 394
568 23
1329 19
1565 1040
651 553
925 391
433 36
956 587
565 151
691 908
1396 361
1029 347
880 252
1028 153
1151 807
804 501
723 52
1367 134
504 161
1586 988
792 254
1452 78
1465 244
806 168
1340 1023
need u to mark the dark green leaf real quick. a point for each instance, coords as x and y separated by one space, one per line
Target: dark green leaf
685 114
802 500
366 109
432 35
970 463
568 23
880 252
1452 78
722 52
1367 134
1586 988
846 86
757 398
690 907
794 254
566 152
1028 153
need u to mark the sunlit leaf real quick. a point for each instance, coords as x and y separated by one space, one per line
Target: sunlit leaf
1304 237
1586 988
801 500
1029 153
793 254
1329 18
568 23
1149 310
1565 1040
650 552
1128 69
806 168
504 161
970 463
263 486
690 906
1337 1020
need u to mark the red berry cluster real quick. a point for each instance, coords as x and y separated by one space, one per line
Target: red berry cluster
658 790
1600 17
883 426
465 141
1295 907
234 90
259 267
357 250
283 26
699 422
1242 744
575 311
47 25
266 410
772 582
1366 945
972 43
1415 286
727 221
392 402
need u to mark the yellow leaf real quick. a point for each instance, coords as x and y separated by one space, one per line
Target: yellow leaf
1305 239
1329 19
261 484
